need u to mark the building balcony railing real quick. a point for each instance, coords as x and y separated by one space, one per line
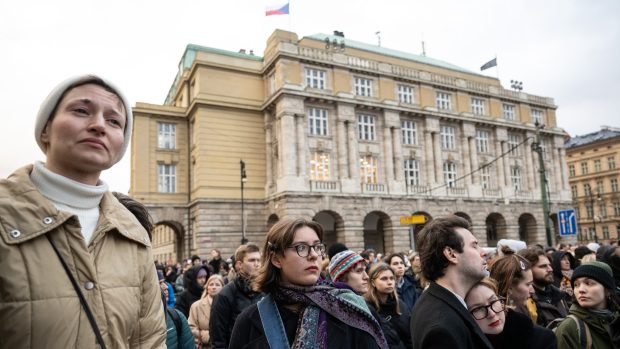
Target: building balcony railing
373 188
523 194
456 191
491 193
418 189
324 186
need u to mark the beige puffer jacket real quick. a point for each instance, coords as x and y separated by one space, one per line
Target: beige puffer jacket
39 307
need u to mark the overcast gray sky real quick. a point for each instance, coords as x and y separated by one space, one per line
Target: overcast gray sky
565 49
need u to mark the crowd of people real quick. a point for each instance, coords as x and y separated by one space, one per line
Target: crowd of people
78 269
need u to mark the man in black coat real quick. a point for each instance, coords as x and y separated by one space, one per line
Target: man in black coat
234 297
453 262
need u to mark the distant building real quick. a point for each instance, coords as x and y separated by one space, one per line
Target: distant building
594 171
350 134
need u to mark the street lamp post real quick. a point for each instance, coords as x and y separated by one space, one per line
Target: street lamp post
244 179
537 148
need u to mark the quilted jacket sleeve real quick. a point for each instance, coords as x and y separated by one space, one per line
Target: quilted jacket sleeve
152 326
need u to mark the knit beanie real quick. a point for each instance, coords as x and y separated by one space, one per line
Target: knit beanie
201 273
598 271
342 262
50 104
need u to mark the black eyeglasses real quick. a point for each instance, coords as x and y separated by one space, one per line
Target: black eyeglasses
303 250
482 311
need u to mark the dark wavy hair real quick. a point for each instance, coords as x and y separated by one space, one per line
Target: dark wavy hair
434 238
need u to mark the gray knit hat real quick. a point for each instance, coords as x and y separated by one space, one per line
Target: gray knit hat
598 271
51 102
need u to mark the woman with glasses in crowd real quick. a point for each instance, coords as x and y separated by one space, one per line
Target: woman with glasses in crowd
383 298
298 309
504 327
593 317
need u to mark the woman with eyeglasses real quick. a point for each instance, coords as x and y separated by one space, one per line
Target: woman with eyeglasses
505 328
383 299
515 282
299 310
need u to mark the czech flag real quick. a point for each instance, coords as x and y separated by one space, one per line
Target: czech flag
281 9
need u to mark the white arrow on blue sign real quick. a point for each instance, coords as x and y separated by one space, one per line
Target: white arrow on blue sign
567 222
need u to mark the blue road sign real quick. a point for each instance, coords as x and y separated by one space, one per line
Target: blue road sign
567 222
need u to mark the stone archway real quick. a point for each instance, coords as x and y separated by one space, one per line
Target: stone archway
527 229
495 228
273 219
333 226
167 241
376 225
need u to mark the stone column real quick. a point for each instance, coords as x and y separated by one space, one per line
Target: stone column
288 154
428 162
398 154
343 168
301 145
268 152
465 152
387 155
500 165
353 151
438 158
530 170
506 165
557 170
475 177
563 167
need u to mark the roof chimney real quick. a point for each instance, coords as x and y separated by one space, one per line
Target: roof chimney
242 50
338 33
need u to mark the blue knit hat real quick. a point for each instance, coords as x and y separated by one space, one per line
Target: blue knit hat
598 271
342 262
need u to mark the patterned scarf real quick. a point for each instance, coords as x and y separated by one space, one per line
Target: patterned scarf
322 299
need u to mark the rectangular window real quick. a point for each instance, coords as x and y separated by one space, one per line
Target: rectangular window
482 141
366 127
614 185
315 78
573 189
167 135
513 144
477 106
587 190
363 87
616 208
602 208
447 137
485 177
597 165
409 132
317 121
611 162
405 94
412 172
443 100
537 116
167 178
605 232
508 111
589 211
368 169
515 177
449 174
319 166
584 168
571 170
599 186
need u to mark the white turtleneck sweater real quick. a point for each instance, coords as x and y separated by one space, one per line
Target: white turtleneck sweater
68 195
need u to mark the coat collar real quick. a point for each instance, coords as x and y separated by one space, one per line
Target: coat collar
26 214
450 299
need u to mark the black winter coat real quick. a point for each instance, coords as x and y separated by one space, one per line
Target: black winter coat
192 291
394 326
519 333
551 304
439 320
248 332
227 305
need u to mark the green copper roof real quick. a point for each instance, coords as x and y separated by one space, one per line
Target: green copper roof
390 52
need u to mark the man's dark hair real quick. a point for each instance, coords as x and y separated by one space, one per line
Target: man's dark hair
138 210
532 254
335 249
434 238
194 257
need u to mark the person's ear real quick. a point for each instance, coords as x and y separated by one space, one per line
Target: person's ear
450 254
45 136
276 261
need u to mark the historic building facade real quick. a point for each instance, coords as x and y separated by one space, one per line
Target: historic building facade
593 178
352 135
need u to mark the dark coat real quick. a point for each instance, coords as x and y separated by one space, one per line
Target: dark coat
227 305
192 291
407 292
248 332
551 304
439 320
519 333
395 327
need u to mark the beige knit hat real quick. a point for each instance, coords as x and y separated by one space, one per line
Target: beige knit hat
51 102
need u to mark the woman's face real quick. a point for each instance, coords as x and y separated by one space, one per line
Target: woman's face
483 301
565 263
590 293
398 265
86 133
416 262
384 282
301 271
214 287
523 289
357 278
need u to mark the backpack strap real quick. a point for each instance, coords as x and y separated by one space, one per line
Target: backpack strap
178 324
272 323
582 328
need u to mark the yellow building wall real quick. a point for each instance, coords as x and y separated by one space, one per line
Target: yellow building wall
495 108
427 96
462 101
230 87
387 89
342 81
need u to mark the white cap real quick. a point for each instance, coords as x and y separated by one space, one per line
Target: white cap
515 245
593 246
